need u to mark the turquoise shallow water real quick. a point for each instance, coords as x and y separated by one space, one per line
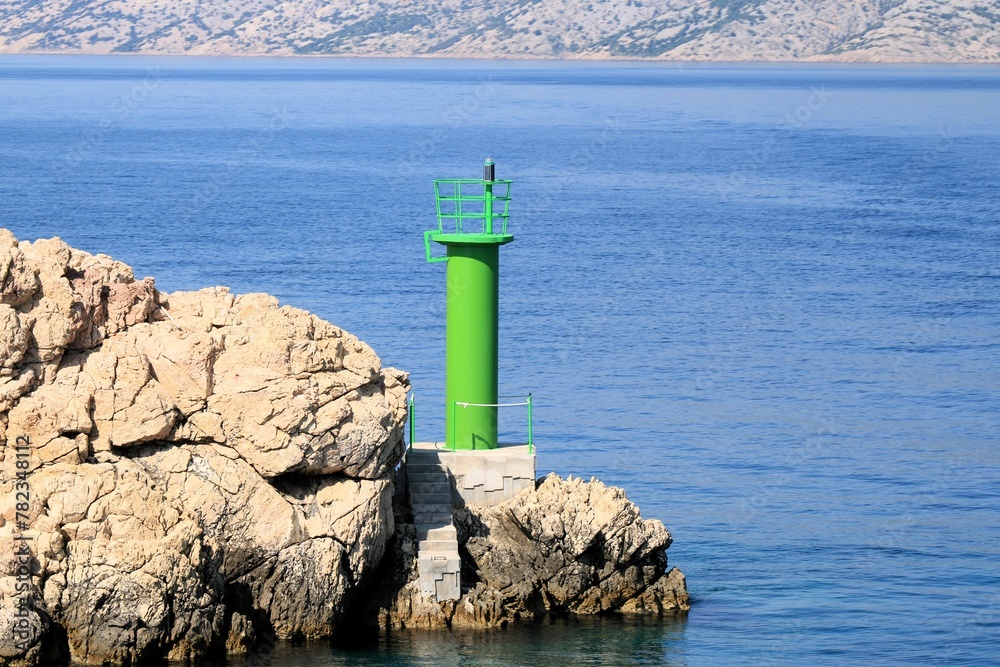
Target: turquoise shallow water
762 299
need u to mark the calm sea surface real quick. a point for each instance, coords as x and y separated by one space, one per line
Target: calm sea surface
764 300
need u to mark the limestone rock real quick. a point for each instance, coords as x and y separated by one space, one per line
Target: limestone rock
292 552
565 546
569 546
80 298
93 352
206 470
242 634
18 277
125 575
288 391
396 601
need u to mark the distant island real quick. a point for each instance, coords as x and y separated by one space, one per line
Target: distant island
947 31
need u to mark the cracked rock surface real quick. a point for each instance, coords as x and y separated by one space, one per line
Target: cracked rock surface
204 468
566 546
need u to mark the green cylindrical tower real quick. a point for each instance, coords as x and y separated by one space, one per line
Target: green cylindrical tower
472 225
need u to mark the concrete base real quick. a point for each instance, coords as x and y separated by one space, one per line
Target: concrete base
438 480
439 575
482 477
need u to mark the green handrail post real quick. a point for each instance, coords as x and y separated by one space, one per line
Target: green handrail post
489 174
454 406
531 444
413 427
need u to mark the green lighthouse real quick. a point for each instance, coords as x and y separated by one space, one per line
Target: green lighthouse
472 225
470 467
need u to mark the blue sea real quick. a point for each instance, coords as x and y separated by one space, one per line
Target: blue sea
765 300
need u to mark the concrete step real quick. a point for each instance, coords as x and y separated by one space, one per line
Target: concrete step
430 486
428 482
431 508
438 507
425 466
429 495
442 503
424 455
440 562
435 518
436 532
441 568
448 546
425 462
422 496
426 477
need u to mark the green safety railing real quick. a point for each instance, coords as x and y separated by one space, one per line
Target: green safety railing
412 417
461 201
457 404
455 194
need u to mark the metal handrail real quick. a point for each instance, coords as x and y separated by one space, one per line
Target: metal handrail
410 417
489 405
487 197
528 402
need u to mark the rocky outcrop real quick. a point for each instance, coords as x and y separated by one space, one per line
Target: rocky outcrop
204 469
190 473
566 546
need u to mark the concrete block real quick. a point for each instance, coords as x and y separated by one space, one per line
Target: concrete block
436 532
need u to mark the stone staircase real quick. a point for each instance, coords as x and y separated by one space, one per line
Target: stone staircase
438 561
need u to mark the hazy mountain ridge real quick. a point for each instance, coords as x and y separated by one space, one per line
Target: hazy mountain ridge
846 30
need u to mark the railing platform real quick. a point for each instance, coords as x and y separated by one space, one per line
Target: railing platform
480 477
